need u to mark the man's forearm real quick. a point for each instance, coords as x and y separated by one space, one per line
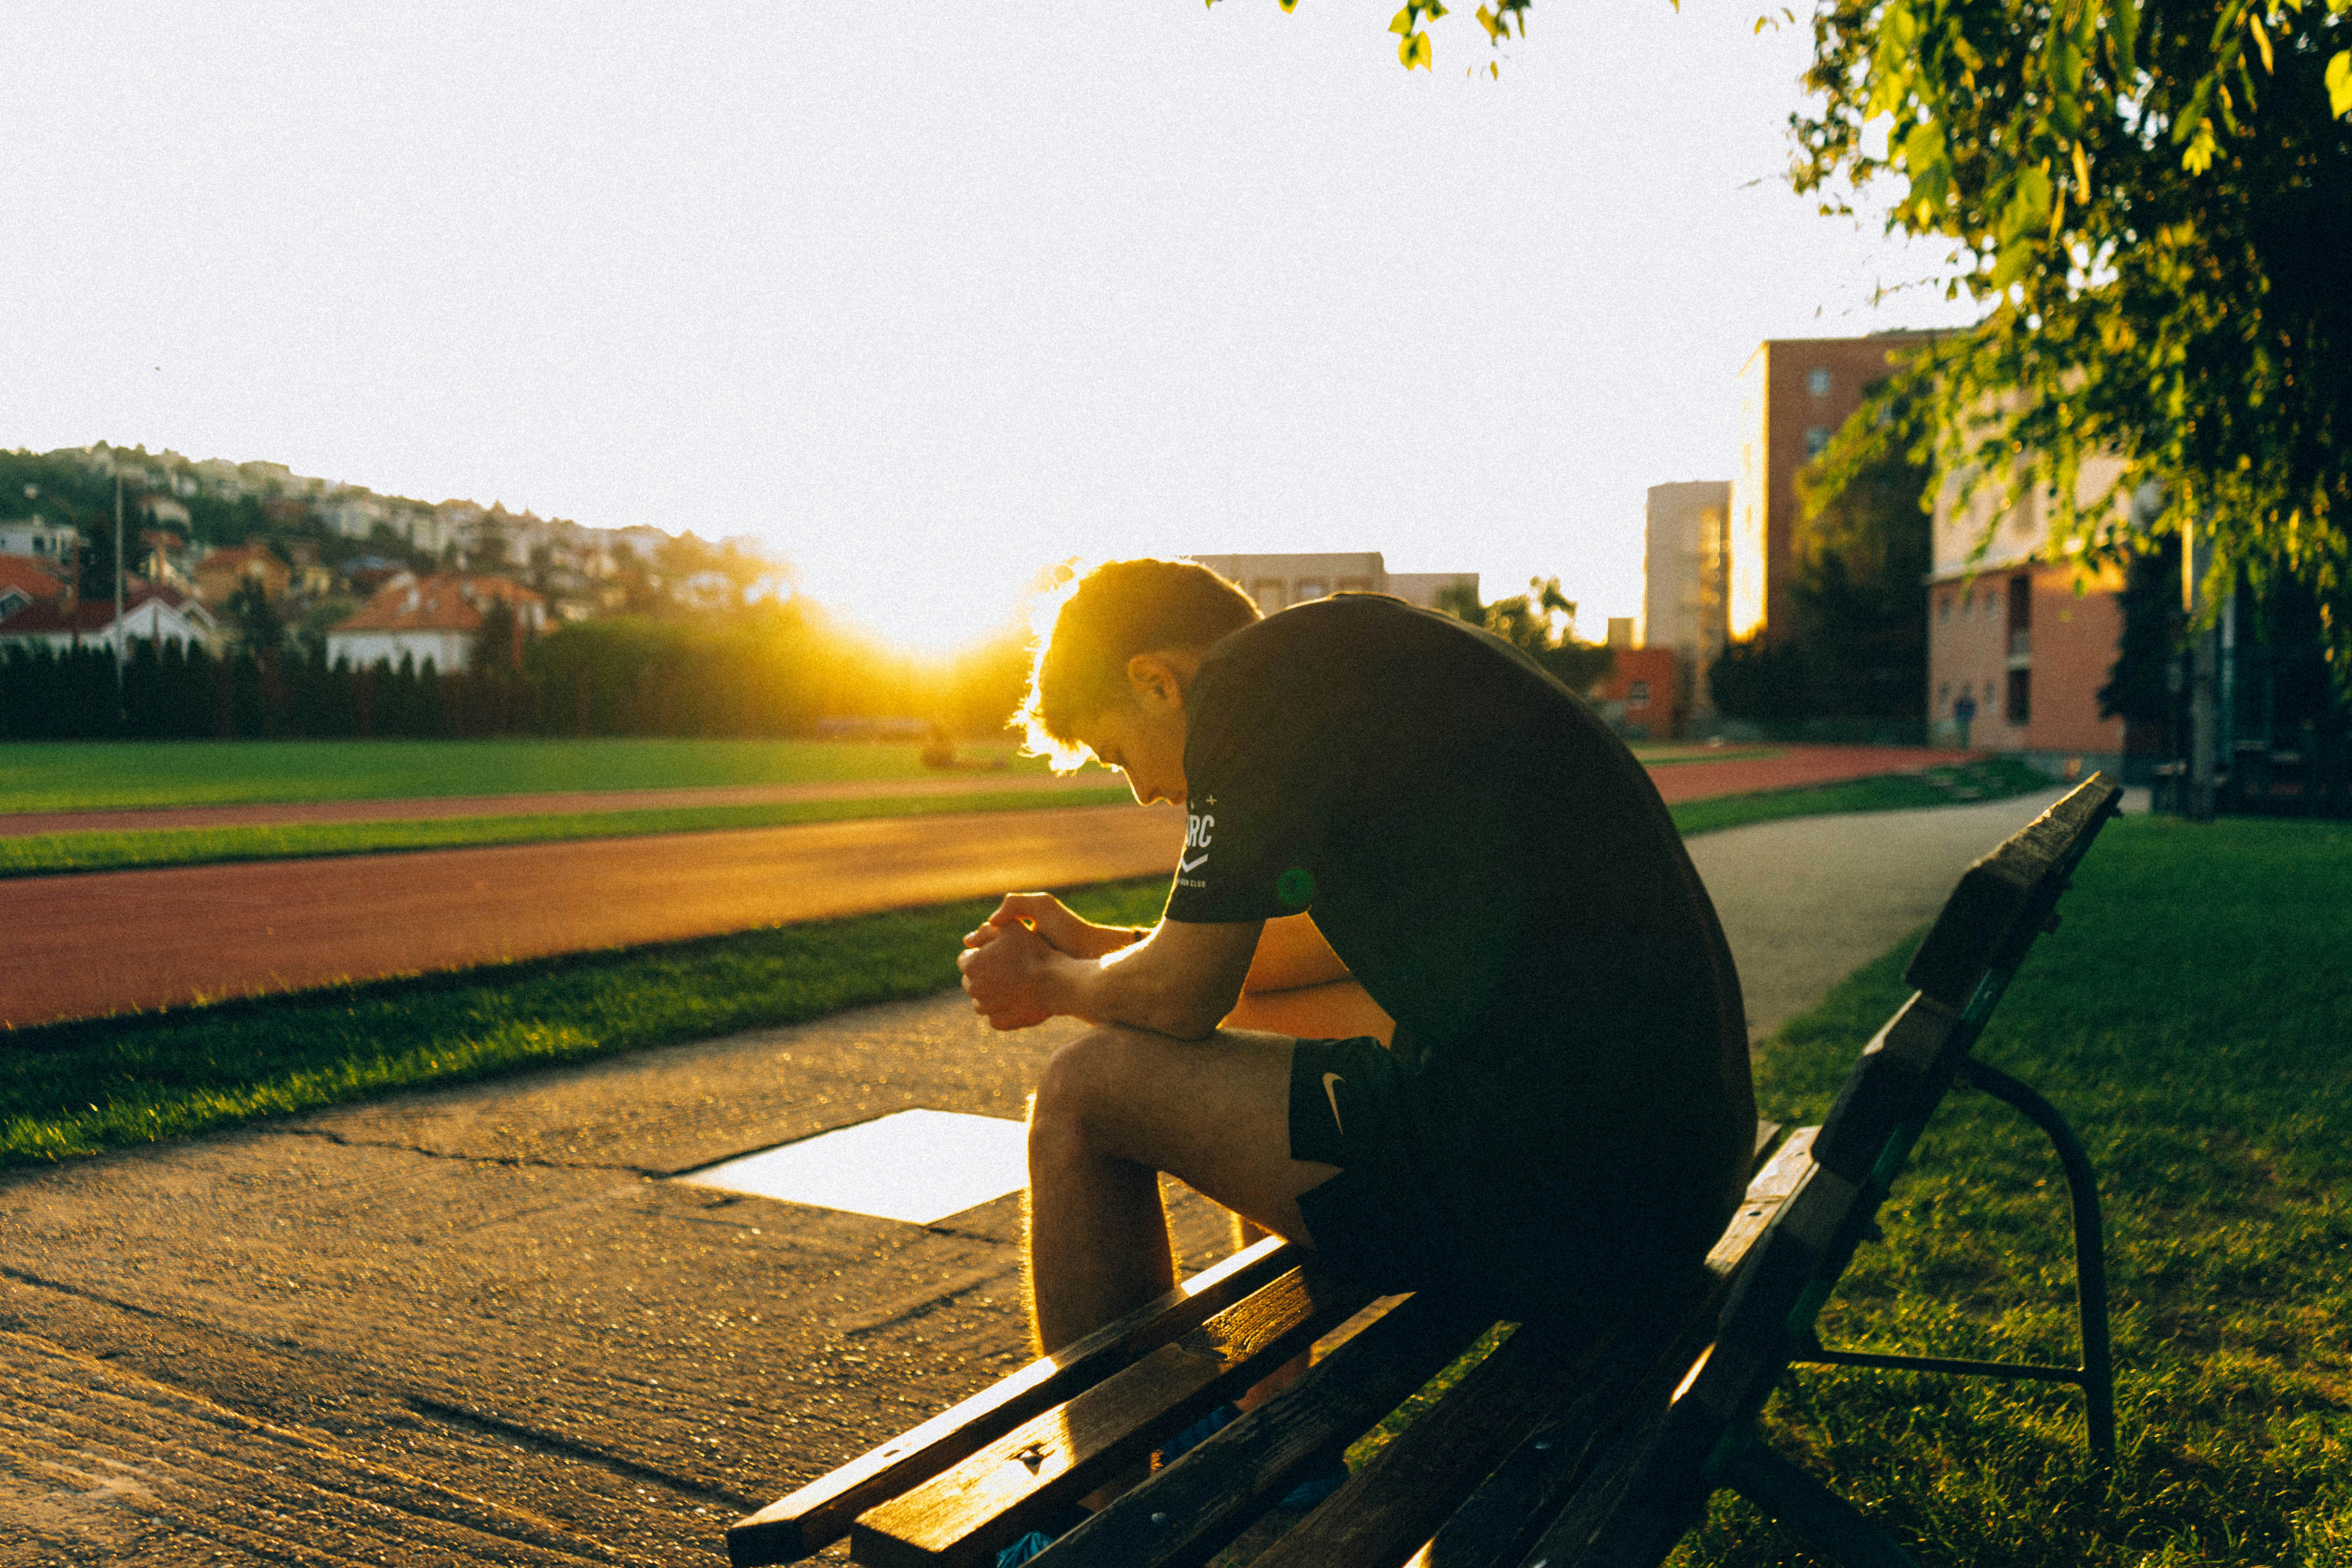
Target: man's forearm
1136 986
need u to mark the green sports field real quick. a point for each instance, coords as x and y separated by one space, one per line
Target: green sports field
104 774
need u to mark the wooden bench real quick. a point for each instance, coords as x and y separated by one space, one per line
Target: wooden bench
1596 1449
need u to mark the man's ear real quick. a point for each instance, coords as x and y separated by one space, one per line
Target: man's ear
1153 681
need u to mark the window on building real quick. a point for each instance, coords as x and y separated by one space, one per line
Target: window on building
1637 694
1267 591
2021 696
1943 693
1943 606
1817 381
1816 440
2020 603
1312 588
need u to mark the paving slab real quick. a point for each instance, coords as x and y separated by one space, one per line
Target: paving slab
480 1325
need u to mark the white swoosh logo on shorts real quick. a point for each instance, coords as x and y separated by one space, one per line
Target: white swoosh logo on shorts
1333 1095
1193 864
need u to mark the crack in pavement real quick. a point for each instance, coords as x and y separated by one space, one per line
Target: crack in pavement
267 1344
510 1162
572 1448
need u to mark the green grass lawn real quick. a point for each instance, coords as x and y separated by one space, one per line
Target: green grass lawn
2190 1017
104 774
47 854
50 854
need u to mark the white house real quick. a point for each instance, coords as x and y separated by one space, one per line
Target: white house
50 544
160 615
437 618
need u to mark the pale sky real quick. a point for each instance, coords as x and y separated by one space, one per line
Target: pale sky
927 296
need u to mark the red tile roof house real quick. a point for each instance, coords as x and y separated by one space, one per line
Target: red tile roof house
22 584
436 617
158 615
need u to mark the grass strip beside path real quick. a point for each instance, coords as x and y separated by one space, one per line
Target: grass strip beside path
2189 1019
53 853
1989 778
78 1088
50 854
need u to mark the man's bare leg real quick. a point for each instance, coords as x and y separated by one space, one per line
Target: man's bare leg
1115 1107
1337 1010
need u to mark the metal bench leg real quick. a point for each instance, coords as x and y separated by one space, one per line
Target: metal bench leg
2090 1251
1829 1523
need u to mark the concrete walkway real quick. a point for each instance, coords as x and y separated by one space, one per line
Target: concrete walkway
478 1326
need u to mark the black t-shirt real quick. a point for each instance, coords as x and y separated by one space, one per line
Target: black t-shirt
1488 860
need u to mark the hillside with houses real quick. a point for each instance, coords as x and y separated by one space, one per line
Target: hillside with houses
332 568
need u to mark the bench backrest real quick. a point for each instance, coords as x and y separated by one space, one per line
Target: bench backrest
2001 904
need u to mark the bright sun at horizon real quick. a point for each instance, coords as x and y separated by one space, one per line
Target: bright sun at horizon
932 612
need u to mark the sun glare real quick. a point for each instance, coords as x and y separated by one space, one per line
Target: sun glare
927 610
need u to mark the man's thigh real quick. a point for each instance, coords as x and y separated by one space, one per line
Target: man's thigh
1214 1113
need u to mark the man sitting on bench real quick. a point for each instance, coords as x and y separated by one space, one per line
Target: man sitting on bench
1391 815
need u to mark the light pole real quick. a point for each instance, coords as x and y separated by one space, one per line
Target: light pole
122 709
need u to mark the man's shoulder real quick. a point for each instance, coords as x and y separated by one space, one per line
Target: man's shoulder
1337 628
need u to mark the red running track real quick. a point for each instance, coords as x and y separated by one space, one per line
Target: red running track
84 946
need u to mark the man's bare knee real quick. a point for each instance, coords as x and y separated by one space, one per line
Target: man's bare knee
1084 1076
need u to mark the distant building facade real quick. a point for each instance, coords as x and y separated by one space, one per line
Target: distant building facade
1277 581
1642 693
1794 393
223 572
2025 642
50 544
1685 557
438 619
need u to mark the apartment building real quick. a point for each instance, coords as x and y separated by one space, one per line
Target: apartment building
2023 642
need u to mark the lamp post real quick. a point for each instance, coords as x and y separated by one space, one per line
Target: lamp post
121 708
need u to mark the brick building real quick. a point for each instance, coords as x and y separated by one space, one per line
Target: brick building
1794 393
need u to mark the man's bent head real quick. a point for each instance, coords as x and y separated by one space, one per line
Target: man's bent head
1085 659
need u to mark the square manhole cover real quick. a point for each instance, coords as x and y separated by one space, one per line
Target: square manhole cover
920 1166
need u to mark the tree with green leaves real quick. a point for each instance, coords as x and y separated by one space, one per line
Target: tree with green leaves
1540 623
2152 200
262 629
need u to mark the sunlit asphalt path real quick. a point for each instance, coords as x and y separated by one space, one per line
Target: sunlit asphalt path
84 946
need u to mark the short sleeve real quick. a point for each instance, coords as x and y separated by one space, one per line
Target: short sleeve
1250 813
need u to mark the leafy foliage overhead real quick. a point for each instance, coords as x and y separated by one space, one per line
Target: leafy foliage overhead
2153 201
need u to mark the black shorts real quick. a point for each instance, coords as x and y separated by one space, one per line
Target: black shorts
1432 1194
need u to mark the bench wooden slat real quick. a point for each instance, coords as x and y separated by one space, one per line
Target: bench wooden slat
2003 900
820 1513
966 1513
1193 1506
